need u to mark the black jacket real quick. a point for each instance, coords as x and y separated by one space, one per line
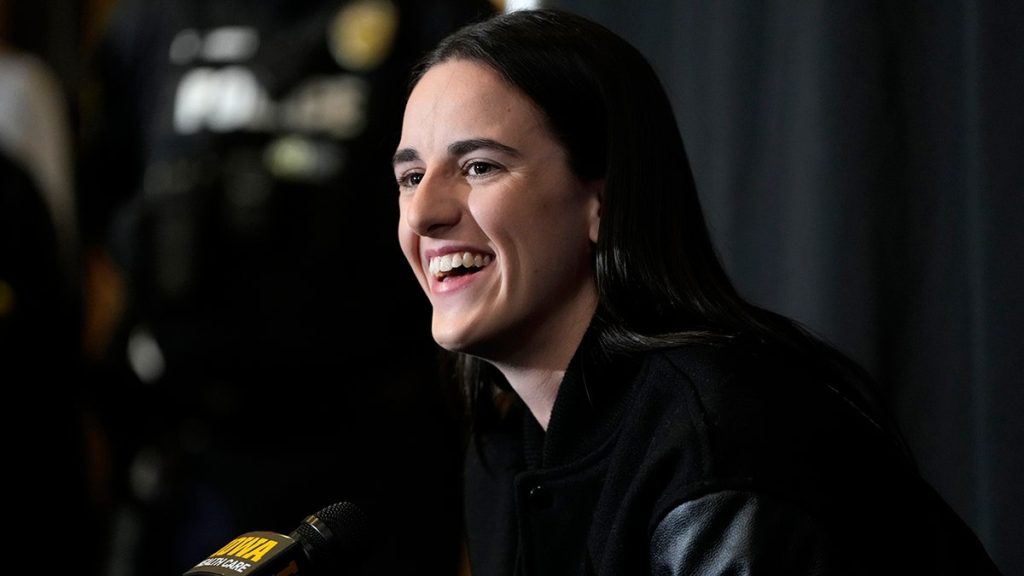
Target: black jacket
705 460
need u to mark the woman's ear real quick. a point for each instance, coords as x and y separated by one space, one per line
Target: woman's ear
595 195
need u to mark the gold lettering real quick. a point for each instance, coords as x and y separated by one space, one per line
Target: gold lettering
243 551
243 544
257 554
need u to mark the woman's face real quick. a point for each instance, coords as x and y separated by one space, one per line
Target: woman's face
494 224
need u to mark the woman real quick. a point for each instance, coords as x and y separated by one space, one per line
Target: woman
632 413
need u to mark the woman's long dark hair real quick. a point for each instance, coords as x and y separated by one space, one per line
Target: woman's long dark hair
659 280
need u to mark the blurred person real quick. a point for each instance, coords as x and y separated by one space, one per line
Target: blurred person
36 141
46 457
35 131
41 248
248 306
631 412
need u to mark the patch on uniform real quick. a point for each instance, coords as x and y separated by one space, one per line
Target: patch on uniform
362 33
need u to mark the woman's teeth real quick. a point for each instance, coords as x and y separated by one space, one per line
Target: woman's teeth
442 266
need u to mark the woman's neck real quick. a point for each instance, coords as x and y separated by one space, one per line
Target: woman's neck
537 387
537 372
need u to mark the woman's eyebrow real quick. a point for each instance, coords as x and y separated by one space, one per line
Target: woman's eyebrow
457 149
465 146
405 155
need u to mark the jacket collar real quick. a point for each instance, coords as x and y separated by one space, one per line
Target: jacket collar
590 399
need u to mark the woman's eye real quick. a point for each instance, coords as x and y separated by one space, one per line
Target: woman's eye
479 168
410 180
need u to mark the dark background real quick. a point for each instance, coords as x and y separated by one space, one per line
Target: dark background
861 165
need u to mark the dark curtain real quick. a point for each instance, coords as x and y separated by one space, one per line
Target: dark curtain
861 166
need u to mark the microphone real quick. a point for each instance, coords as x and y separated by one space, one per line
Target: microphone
332 541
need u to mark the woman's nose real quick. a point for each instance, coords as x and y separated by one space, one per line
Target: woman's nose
434 206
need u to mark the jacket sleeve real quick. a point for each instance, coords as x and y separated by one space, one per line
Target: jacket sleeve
736 532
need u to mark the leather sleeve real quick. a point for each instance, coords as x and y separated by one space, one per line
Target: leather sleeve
735 532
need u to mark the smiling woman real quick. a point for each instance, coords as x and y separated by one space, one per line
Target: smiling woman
632 413
483 179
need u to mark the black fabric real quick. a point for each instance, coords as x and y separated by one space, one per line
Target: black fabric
735 432
858 162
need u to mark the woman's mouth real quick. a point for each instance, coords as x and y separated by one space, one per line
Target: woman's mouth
456 264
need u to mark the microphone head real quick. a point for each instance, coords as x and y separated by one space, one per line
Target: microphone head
338 536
